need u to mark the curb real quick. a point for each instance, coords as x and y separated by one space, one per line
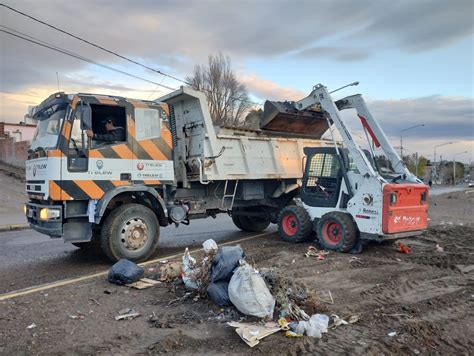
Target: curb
14 227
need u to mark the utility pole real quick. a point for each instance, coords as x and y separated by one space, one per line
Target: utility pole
401 138
434 159
454 166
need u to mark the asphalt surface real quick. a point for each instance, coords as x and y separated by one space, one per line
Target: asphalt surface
28 258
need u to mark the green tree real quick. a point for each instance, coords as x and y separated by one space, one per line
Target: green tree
411 161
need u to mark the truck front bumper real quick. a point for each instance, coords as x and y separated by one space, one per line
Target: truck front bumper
52 227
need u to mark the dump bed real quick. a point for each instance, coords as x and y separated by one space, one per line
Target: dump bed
204 152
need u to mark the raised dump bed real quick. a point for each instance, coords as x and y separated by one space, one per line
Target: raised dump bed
204 152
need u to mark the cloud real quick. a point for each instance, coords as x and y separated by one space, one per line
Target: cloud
343 54
269 90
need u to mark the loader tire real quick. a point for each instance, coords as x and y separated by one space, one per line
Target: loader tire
131 232
337 231
294 224
250 223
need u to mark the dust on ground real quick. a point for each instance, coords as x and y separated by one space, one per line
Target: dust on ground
425 297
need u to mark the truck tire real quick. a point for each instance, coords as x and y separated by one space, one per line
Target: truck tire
236 221
294 224
250 223
131 231
337 231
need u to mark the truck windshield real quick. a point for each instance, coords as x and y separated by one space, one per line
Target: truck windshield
49 126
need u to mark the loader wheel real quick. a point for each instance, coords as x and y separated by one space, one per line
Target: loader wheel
337 231
294 224
131 231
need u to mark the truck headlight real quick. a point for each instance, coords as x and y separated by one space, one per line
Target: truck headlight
25 209
46 214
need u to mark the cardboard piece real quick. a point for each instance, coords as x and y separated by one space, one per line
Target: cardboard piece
251 333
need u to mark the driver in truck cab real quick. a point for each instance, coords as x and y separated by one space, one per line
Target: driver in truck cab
114 133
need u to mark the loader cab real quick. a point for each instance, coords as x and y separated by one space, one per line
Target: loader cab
322 177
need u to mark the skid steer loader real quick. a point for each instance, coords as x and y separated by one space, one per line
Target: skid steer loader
345 199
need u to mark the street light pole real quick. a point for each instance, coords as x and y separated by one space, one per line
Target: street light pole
401 138
454 166
434 158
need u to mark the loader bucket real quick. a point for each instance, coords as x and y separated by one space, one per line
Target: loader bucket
283 117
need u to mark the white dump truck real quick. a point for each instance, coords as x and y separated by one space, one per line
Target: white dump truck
170 165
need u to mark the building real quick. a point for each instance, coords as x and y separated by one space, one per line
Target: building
18 132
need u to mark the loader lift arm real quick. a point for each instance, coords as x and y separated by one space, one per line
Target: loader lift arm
321 96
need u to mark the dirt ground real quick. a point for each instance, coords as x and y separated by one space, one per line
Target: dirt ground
425 297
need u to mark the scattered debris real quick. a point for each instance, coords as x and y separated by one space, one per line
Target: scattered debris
316 325
251 333
143 283
249 293
78 317
337 321
125 272
32 326
127 314
439 248
290 333
392 333
94 300
314 252
170 271
354 318
402 248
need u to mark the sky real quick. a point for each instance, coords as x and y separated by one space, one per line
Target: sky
414 59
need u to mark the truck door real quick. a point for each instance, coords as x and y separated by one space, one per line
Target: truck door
322 177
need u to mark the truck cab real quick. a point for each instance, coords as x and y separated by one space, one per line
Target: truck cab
72 179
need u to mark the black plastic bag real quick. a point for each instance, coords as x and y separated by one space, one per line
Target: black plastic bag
225 262
219 293
125 272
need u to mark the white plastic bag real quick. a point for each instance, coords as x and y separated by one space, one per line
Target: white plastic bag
209 246
189 271
316 325
249 293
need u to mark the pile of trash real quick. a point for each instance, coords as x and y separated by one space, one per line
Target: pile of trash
225 277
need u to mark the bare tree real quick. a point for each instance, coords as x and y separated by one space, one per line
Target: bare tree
227 97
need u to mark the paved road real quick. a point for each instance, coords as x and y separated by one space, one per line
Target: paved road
28 258
436 190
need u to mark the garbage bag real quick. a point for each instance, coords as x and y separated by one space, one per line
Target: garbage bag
226 260
125 272
249 293
218 292
190 271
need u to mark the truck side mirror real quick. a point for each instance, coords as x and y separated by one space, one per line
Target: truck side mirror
85 115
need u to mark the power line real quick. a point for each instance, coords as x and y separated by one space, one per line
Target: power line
112 52
77 56
94 45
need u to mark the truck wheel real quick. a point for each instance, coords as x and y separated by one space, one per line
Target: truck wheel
132 232
337 231
250 223
294 224
236 221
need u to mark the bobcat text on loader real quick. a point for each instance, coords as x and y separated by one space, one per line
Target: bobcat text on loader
345 199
